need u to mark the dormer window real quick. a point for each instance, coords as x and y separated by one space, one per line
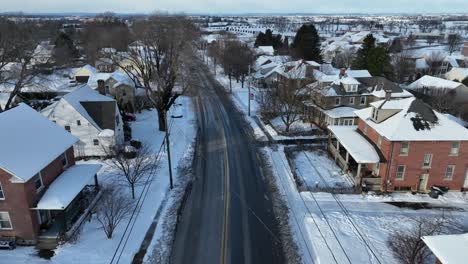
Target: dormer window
375 113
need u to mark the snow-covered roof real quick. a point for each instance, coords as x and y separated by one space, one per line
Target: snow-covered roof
401 126
347 81
381 94
421 64
30 142
358 147
433 82
82 94
358 73
67 186
87 69
340 112
449 249
458 74
268 50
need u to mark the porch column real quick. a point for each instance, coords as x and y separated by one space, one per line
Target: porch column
358 175
96 183
347 156
337 145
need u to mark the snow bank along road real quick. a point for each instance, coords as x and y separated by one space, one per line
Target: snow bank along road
228 216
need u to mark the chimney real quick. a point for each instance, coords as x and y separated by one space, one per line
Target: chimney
101 87
388 95
342 72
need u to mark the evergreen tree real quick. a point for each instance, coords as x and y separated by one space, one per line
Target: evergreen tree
375 59
65 49
306 44
268 39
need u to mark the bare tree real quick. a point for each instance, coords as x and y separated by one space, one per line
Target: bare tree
112 209
344 59
435 62
17 43
285 100
158 64
403 66
132 165
407 244
453 41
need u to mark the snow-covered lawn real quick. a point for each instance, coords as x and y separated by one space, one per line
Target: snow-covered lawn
92 245
318 171
298 126
349 228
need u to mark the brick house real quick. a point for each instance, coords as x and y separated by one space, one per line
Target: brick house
42 191
402 145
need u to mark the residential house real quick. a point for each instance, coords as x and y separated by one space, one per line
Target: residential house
334 103
104 65
118 86
464 50
448 249
43 53
82 74
437 87
402 145
42 191
90 116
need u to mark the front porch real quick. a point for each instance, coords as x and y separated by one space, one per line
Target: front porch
353 153
65 205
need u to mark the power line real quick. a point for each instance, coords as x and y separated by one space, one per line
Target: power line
344 209
137 206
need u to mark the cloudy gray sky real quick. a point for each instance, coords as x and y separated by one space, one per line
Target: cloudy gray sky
238 6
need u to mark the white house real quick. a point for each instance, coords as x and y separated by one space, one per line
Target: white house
90 116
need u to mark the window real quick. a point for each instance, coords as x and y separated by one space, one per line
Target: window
106 89
363 100
455 148
64 159
449 172
348 122
96 142
5 222
379 141
337 101
427 160
78 122
400 173
351 100
365 128
67 128
38 182
404 148
2 195
375 113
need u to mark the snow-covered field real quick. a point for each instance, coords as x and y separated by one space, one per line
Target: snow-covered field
92 245
350 228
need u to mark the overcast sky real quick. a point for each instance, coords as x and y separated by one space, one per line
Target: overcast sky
238 6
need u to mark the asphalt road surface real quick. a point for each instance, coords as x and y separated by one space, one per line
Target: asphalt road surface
228 216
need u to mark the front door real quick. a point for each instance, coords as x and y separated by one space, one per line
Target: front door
423 182
465 184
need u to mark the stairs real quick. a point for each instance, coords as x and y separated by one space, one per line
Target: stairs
47 242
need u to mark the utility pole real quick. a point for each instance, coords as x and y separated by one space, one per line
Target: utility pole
168 146
249 91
